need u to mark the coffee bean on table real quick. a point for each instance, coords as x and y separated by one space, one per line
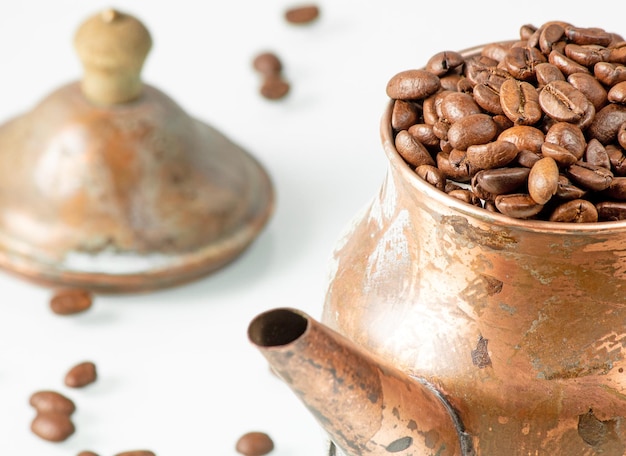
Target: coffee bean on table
303 14
267 63
81 375
71 301
52 401
52 426
254 444
87 453
274 87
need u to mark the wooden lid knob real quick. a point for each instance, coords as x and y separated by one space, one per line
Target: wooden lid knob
112 47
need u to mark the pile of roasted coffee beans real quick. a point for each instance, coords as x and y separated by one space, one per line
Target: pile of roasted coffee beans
533 128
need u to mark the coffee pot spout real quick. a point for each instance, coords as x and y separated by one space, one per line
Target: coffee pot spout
365 406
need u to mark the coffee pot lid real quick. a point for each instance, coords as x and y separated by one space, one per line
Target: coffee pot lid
110 185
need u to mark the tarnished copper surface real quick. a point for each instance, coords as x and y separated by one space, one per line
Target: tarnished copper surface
127 195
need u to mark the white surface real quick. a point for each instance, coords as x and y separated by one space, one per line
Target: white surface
177 373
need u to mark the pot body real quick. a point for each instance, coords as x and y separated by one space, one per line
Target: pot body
521 324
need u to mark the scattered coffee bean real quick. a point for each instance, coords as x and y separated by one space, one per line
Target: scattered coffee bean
254 444
87 453
51 401
71 301
267 63
274 87
81 375
52 426
536 126
303 14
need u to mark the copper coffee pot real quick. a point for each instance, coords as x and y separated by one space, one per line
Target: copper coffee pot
451 330
108 184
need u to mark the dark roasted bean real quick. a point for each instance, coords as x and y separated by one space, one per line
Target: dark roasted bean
596 154
433 175
611 210
591 177
412 85
500 181
412 150
518 205
494 154
575 211
607 122
404 114
617 93
568 191
442 62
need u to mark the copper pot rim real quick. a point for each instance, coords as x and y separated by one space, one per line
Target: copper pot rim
386 133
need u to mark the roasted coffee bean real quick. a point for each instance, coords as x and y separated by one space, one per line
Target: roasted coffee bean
81 375
470 130
582 36
479 68
404 115
518 205
527 159
70 301
254 444
429 112
543 180
494 154
136 453
412 150
424 134
442 62
502 123
274 87
546 73
459 172
586 55
568 136
466 196
412 85
563 102
457 105
499 181
567 191
617 93
520 62
594 178
451 82
590 87
51 401
617 159
575 211
488 98
607 122
609 74
565 64
267 63
433 175
87 453
596 154
549 36
617 189
524 137
611 210
520 102
440 129
52 426
302 14
617 52
560 154
526 31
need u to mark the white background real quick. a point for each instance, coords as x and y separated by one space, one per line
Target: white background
177 373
